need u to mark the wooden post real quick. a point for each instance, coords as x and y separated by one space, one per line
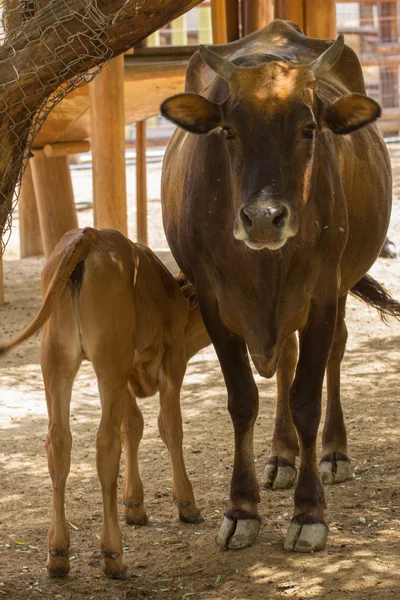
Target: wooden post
1 282
29 226
108 147
320 19
54 198
219 24
257 14
291 10
141 183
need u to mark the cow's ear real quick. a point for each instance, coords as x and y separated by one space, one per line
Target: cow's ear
192 112
351 112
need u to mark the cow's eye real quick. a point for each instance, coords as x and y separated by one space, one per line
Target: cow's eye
309 131
229 133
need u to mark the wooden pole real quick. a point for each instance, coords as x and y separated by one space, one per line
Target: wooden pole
219 23
1 282
29 226
320 19
54 198
108 147
257 14
291 10
141 183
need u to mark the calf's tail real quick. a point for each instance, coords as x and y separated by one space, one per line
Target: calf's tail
69 252
374 294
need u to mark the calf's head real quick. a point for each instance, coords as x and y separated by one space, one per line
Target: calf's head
269 126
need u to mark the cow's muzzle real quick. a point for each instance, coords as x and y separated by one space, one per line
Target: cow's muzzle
265 223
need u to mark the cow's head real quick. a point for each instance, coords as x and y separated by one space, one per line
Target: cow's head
269 124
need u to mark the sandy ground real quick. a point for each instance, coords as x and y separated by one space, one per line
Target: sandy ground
169 560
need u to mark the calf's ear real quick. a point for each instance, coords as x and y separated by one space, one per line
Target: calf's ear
192 112
190 294
351 112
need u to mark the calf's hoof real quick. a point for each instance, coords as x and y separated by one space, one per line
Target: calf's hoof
335 468
279 474
189 513
135 513
308 537
114 565
237 533
58 562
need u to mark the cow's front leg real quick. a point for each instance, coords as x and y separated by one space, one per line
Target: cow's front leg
335 466
308 530
280 470
241 523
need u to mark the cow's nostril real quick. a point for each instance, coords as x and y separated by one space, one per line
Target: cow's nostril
279 220
247 222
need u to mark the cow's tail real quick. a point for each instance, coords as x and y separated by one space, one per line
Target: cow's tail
70 254
374 294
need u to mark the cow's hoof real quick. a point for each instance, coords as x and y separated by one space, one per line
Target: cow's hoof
235 534
388 250
278 476
309 537
135 513
335 468
58 562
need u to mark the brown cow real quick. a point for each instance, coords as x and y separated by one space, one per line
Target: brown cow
114 303
274 213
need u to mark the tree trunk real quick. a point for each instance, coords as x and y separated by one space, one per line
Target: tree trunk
65 38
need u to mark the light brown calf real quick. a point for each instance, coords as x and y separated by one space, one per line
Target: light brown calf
114 303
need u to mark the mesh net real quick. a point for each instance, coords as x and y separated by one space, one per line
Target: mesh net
23 113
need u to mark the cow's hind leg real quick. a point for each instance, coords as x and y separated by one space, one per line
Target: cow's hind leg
132 492
170 427
280 470
335 466
60 362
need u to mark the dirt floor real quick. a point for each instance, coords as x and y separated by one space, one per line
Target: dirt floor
169 560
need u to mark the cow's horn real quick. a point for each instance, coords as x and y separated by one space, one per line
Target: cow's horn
219 65
327 60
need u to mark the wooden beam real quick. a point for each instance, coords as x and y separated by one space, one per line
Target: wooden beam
108 147
291 10
29 227
141 183
257 14
65 148
54 198
320 19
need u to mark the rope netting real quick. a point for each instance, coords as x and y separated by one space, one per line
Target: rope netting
23 113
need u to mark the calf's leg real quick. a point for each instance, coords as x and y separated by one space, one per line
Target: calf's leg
132 491
280 470
335 466
170 427
60 363
114 397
